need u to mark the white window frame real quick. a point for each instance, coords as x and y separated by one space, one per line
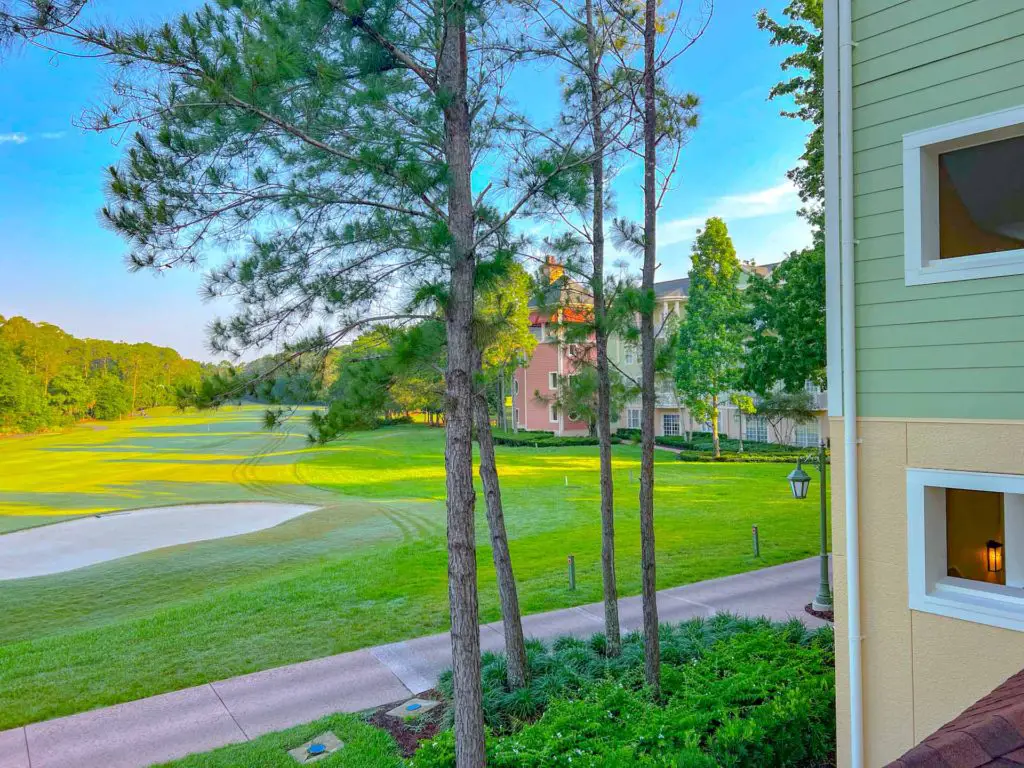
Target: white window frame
664 424
630 413
515 387
552 413
921 150
805 440
756 429
629 356
552 379
931 590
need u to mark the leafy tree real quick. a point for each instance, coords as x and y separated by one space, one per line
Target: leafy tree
787 325
62 374
22 406
784 409
71 394
711 335
787 346
804 29
112 398
745 406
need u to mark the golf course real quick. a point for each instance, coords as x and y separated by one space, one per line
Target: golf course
366 565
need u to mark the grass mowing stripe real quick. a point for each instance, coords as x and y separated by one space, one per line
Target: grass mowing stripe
368 568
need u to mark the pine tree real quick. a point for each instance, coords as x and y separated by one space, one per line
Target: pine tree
666 121
338 141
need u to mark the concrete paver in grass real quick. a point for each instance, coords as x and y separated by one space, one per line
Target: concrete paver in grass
172 725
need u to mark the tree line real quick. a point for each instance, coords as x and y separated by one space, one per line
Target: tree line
49 378
369 159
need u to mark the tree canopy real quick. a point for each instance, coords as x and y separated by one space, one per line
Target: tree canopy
711 335
49 378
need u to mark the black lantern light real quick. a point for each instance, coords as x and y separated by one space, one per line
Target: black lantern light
994 556
799 481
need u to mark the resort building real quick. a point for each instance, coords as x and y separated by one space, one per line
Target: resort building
535 385
925 250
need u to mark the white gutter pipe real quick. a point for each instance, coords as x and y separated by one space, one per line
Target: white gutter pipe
849 336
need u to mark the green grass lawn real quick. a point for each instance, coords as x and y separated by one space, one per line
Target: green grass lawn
369 567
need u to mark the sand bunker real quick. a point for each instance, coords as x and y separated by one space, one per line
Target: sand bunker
91 540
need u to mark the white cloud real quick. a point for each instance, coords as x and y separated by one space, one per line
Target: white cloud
52 135
13 138
782 198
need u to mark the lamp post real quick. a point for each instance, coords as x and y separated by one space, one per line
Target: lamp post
799 482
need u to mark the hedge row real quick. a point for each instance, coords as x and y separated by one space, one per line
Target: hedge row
524 439
746 458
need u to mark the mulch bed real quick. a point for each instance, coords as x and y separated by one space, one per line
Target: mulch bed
826 615
409 733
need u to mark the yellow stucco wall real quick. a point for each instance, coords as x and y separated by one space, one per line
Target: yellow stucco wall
920 670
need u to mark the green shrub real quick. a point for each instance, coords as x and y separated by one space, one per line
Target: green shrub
524 439
749 458
734 693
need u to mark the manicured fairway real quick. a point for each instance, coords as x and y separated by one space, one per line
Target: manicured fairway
368 567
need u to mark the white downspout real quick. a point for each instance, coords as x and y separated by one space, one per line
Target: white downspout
849 337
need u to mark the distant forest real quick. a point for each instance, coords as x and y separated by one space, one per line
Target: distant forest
49 378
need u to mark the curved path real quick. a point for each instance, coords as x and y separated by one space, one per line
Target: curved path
96 539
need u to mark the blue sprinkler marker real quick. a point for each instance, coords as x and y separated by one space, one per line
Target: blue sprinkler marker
413 707
315 749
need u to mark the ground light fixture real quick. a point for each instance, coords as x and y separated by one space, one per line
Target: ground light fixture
994 556
800 483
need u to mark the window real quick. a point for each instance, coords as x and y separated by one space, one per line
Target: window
515 416
963 196
757 429
966 545
573 416
633 418
553 413
806 435
552 380
670 424
515 386
630 355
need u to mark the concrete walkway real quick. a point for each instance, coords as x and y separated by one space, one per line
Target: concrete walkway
172 725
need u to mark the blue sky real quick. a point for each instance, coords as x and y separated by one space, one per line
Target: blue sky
58 264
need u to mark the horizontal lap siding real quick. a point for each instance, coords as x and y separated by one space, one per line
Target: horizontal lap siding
951 350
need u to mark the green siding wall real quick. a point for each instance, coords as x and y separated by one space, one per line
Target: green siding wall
952 350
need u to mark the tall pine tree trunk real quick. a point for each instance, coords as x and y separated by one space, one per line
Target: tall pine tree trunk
512 621
652 650
462 567
604 428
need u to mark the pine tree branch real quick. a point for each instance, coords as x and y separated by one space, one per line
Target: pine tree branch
424 73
